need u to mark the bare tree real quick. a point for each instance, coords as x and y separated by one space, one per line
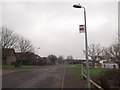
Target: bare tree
70 57
60 59
25 45
95 51
9 39
52 59
114 51
106 55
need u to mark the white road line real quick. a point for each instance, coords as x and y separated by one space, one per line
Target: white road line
46 69
63 78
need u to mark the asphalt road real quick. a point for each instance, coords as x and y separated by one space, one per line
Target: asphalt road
45 77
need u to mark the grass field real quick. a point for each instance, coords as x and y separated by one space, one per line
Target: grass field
12 67
94 72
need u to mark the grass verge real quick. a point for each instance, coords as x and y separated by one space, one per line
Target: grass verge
94 72
77 69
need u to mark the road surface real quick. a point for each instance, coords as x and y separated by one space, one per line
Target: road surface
45 77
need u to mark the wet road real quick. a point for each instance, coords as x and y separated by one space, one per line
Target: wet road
45 77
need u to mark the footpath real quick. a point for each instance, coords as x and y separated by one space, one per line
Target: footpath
71 80
8 71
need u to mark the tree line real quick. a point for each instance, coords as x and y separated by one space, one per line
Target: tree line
12 40
97 52
111 53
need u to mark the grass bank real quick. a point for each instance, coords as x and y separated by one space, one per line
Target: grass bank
106 78
77 69
94 72
12 67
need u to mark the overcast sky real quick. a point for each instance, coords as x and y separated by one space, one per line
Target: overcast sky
54 26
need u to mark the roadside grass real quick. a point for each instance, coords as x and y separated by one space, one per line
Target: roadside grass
106 78
77 69
12 67
94 72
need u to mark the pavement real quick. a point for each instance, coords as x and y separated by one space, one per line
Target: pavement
8 71
54 76
72 80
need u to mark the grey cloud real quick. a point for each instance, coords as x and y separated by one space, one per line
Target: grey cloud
54 26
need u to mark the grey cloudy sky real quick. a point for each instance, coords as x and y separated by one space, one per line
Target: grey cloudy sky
54 26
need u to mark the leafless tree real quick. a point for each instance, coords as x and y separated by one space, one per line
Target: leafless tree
106 54
114 51
52 59
9 39
60 59
95 52
25 45
70 57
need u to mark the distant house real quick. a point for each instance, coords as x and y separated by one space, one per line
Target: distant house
110 65
8 56
98 65
27 57
103 61
67 61
106 64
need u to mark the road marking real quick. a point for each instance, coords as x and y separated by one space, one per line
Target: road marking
62 86
46 69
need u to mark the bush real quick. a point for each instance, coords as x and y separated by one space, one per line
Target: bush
18 63
13 63
109 79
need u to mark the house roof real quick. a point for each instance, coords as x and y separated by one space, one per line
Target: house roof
26 56
8 52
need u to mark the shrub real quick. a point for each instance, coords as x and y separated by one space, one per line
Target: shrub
109 79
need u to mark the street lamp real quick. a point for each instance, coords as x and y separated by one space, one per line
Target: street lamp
37 50
37 54
86 44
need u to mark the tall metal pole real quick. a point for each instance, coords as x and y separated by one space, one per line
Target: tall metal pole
37 55
86 47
